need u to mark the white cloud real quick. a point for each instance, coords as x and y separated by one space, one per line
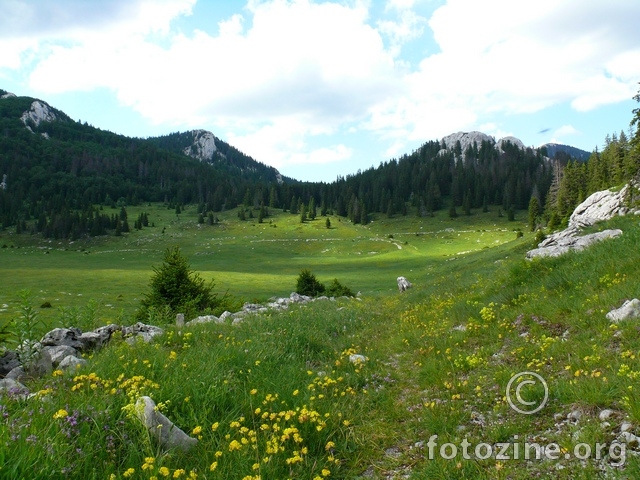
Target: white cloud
282 72
283 143
560 134
503 57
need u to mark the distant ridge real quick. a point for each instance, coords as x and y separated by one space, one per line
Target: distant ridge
554 148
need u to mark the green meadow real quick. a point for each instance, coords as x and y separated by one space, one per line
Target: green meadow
277 396
251 261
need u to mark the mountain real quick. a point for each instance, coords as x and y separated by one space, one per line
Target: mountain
206 147
52 166
554 148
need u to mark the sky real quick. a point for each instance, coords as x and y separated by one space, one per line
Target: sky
320 89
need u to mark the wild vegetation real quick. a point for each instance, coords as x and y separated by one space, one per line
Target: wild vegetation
348 389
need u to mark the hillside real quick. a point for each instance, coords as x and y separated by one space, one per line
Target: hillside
53 166
436 360
206 147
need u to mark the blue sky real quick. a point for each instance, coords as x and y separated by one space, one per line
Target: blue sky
325 88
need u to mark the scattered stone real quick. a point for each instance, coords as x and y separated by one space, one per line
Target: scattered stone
8 361
357 359
403 284
629 309
605 414
106 332
630 439
204 319
141 330
180 320
59 353
17 373
71 363
574 416
63 336
226 314
162 430
41 365
626 426
13 388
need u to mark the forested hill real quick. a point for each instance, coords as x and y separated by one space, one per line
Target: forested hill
51 166
206 147
55 173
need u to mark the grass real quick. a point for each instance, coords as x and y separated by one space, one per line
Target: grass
439 357
250 260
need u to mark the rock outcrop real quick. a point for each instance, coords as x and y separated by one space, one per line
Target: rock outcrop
167 435
597 207
629 309
203 146
39 112
567 240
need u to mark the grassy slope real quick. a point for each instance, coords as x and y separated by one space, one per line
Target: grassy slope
253 261
423 376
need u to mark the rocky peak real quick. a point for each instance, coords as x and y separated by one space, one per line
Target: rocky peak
39 112
466 139
513 140
203 146
7 95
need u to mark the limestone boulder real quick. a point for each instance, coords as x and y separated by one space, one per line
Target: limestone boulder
163 431
629 309
403 284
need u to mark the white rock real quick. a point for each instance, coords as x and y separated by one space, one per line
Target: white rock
161 429
71 363
403 284
605 414
513 140
357 359
625 427
203 147
629 309
39 112
600 206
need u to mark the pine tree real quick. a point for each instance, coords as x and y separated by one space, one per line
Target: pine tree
327 223
534 212
312 209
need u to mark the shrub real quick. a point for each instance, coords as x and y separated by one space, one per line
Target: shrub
336 289
308 284
175 288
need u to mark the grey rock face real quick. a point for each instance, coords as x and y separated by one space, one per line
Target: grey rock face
629 309
161 429
145 332
8 361
72 363
59 353
13 388
600 206
204 319
63 336
565 241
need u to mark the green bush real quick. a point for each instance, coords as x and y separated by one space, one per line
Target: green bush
336 289
175 288
309 285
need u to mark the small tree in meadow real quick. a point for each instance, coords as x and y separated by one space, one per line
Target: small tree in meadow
308 284
174 286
